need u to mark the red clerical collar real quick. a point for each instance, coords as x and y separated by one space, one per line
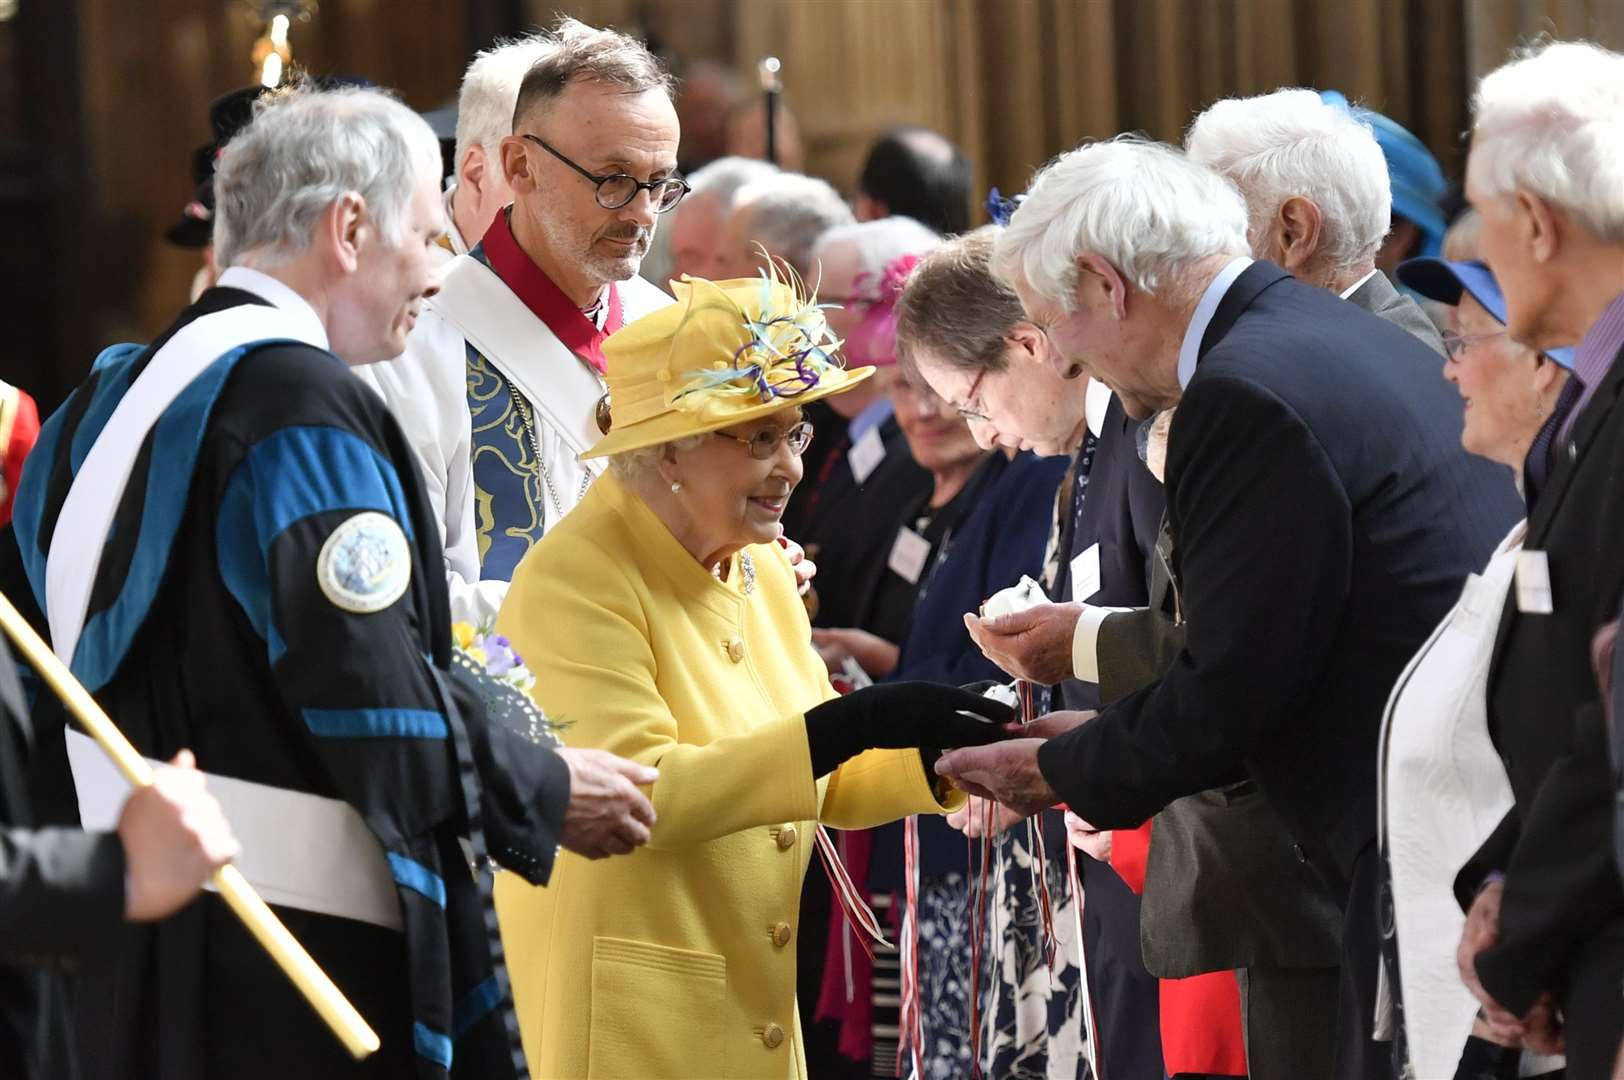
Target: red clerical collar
545 299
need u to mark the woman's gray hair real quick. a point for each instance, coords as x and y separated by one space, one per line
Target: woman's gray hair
490 87
630 466
1141 206
304 150
580 52
1551 122
1291 143
956 310
726 176
787 213
877 243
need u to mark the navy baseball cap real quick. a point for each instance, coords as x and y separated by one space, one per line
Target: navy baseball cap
1444 281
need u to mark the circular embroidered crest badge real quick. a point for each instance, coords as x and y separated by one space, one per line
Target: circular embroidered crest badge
365 565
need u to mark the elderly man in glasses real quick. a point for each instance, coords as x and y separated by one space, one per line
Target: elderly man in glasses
512 344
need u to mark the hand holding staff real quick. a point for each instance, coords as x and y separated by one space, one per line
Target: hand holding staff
336 1010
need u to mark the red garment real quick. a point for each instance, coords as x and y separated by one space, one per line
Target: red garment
1201 1015
19 430
546 300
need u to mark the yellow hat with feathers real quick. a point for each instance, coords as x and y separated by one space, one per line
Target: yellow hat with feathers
727 352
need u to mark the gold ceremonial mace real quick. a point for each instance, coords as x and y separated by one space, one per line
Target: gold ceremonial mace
333 1007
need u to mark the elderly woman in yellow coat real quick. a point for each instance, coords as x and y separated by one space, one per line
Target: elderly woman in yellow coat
663 624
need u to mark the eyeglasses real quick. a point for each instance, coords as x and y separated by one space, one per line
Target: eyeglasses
617 189
1455 344
764 443
967 410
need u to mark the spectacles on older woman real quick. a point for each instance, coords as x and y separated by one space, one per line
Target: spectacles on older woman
1455 344
764 443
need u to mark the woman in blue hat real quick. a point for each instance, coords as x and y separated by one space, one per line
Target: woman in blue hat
1443 787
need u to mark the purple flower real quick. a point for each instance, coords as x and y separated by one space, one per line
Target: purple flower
499 656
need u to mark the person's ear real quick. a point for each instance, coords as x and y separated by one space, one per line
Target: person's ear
344 229
471 174
1100 287
518 167
1298 226
1028 339
669 470
1541 226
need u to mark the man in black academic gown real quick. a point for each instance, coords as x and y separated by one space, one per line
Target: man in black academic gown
250 568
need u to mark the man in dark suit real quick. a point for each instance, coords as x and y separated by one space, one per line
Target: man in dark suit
1325 515
65 894
1316 188
1544 940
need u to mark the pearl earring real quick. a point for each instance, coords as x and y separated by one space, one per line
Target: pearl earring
676 487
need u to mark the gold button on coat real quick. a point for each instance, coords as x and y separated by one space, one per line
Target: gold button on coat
786 837
773 1036
781 934
735 650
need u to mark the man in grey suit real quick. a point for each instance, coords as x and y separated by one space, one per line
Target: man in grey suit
1225 886
66 893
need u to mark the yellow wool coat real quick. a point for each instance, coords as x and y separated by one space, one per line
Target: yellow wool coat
678 960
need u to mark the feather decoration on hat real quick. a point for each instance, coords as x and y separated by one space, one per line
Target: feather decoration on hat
786 350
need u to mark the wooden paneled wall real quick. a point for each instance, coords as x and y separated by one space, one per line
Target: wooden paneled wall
1012 81
150 71
1017 81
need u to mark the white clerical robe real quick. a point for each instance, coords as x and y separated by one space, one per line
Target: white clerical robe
427 388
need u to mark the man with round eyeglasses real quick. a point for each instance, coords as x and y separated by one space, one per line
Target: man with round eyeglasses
512 344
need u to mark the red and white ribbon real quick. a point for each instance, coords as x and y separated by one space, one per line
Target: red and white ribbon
851 901
911 1021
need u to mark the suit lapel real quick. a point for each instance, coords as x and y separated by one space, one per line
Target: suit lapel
1597 411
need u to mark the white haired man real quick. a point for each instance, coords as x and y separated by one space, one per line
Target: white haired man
478 189
1318 194
234 552
411 384
1545 924
1318 200
510 348
1318 545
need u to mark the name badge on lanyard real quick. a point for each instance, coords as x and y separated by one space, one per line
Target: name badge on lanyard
909 554
1085 574
866 454
1533 583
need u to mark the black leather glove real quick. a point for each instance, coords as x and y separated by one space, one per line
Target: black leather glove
922 715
